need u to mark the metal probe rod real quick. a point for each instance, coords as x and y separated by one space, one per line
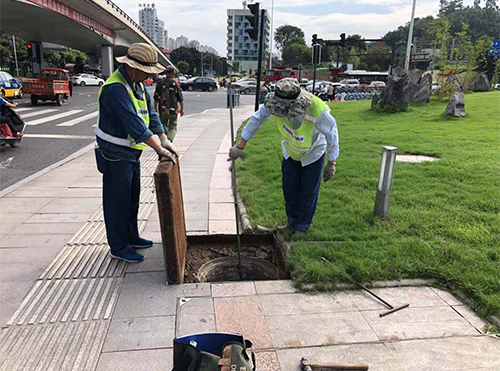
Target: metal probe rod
233 180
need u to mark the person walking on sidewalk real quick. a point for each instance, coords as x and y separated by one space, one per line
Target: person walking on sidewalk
309 131
168 97
125 127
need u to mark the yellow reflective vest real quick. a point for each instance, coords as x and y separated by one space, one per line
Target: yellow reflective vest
141 107
299 141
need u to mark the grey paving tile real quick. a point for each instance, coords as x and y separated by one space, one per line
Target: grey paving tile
59 207
418 323
6 228
195 324
38 192
12 294
81 193
286 304
150 360
222 226
458 353
148 265
415 296
221 195
275 287
192 306
471 317
220 183
151 235
196 211
447 296
233 289
29 205
140 333
293 331
154 252
376 356
197 225
13 218
59 218
20 241
146 295
47 228
194 196
222 211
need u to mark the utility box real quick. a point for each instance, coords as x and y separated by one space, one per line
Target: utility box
168 186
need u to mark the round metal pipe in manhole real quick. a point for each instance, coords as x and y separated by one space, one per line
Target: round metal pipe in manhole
226 269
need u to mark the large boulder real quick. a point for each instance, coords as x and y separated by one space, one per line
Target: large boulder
424 92
480 83
456 106
412 84
392 98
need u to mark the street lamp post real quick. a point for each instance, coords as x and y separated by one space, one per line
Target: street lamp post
410 37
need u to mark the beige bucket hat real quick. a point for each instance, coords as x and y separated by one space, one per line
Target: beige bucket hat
289 100
143 57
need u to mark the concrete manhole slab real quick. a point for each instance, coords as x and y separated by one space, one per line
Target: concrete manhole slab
415 159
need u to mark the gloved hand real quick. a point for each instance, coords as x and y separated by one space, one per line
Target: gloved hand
234 153
328 171
162 152
165 143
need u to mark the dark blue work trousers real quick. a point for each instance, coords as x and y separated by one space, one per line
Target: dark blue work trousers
120 197
301 189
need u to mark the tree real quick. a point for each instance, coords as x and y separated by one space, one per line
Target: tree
362 66
375 68
76 56
183 67
287 34
295 54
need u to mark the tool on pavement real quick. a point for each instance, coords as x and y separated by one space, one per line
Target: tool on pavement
391 308
305 365
233 180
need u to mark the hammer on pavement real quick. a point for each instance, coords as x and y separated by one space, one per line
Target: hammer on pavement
305 365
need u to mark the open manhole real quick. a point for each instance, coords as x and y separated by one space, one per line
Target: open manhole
415 159
215 259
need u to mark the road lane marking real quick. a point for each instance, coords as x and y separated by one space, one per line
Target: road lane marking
37 113
22 109
58 136
79 119
52 118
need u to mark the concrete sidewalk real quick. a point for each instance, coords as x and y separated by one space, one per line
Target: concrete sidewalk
67 306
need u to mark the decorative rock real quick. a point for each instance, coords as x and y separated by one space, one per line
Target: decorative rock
454 80
424 92
480 83
456 106
375 100
412 84
392 98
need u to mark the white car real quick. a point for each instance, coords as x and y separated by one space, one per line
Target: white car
83 79
182 79
349 83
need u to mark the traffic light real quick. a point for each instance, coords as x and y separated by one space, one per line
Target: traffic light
342 40
254 21
250 71
314 40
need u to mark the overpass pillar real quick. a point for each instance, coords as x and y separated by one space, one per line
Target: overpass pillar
106 61
38 62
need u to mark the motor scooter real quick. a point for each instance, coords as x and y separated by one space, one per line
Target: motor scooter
13 133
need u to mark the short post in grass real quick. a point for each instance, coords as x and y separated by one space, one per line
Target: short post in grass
384 186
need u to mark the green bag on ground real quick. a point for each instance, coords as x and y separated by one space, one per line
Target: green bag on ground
234 357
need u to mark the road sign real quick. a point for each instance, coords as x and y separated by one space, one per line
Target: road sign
494 49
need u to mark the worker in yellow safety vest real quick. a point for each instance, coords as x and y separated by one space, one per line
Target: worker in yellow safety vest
126 126
309 134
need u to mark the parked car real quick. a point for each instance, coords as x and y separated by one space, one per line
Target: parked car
148 82
199 83
377 84
9 86
246 87
182 79
349 83
83 79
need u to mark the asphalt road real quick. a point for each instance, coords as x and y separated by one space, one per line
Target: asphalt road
53 133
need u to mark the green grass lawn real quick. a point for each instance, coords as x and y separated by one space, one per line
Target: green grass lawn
444 220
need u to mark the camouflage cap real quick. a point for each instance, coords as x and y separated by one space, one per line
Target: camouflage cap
289 100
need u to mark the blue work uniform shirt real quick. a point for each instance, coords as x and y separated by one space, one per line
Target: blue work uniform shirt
118 117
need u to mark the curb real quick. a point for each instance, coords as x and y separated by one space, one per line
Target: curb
44 171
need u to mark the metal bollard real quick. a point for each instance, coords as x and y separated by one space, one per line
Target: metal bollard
172 221
384 186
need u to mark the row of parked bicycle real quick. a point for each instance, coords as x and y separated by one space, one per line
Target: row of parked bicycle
349 95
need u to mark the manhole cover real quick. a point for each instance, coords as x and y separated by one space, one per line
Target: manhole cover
226 269
415 159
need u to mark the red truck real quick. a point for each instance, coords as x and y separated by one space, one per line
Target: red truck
54 85
280 73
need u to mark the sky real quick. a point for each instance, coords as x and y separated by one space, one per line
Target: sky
206 21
